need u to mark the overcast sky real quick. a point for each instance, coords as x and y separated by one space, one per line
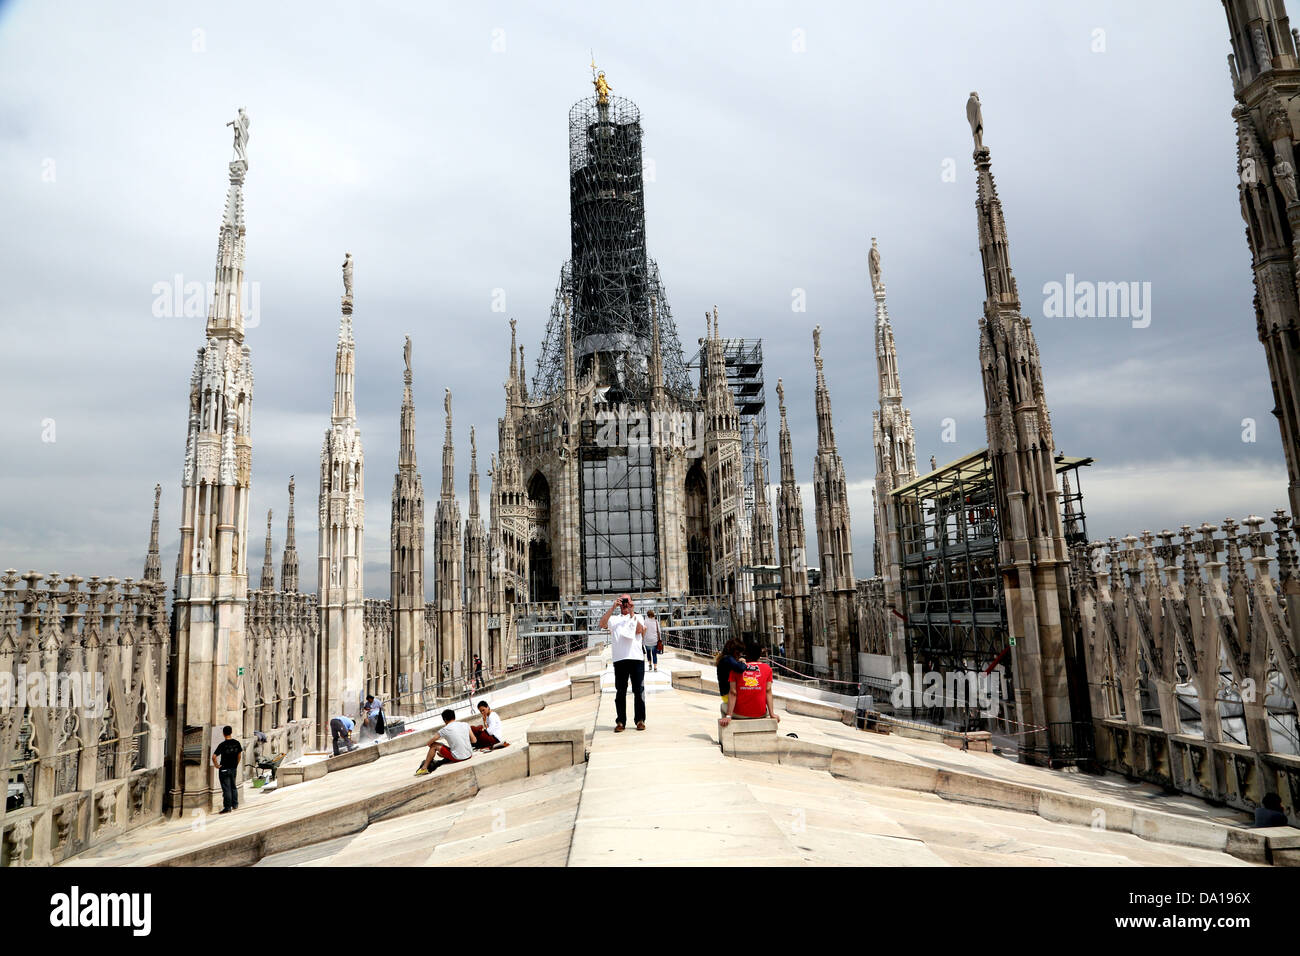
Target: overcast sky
430 140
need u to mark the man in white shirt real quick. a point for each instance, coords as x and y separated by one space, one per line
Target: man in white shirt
626 629
453 743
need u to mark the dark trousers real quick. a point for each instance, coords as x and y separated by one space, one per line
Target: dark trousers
229 789
622 671
339 734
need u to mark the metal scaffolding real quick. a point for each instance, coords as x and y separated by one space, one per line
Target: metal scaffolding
952 591
951 585
609 279
744 362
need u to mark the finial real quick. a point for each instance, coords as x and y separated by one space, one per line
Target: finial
157 494
473 449
975 116
446 403
602 86
291 486
780 396
873 263
347 275
406 355
240 123
817 346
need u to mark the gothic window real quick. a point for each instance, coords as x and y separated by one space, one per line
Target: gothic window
619 536
697 531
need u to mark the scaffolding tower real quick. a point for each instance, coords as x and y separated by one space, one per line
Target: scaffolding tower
744 363
610 284
953 598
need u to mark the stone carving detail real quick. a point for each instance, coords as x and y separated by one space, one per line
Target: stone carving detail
107 809
1261 51
1156 625
17 841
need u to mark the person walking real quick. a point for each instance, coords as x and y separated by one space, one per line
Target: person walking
626 628
478 671
651 640
225 757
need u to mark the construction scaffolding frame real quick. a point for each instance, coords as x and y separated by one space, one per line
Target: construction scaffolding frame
610 285
951 583
952 590
744 364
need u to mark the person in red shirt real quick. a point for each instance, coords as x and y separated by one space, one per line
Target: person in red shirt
751 694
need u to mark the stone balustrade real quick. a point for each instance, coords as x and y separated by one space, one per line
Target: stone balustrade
82 725
1191 640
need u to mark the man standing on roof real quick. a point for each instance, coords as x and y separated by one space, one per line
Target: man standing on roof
626 629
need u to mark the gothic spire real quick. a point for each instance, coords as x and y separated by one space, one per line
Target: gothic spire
268 568
289 562
406 454
473 477
226 316
891 423
722 404
999 284
656 353
152 562
886 355
787 454
514 348
448 456
570 370
825 429
345 412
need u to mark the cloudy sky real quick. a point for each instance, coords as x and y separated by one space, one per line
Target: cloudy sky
430 140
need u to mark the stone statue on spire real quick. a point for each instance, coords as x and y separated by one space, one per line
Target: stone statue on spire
347 275
975 116
873 262
240 123
406 354
817 346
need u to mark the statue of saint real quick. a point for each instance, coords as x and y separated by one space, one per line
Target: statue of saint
406 354
873 262
976 118
347 274
602 88
240 123
446 402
